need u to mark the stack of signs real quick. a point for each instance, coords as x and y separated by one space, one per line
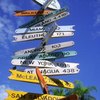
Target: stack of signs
43 27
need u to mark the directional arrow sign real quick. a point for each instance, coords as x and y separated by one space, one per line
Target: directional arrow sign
51 19
33 36
31 12
32 78
54 4
42 81
42 63
54 71
48 48
68 28
20 95
53 16
51 55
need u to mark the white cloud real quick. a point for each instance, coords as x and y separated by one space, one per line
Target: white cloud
97 22
7 23
6 30
7 6
3 93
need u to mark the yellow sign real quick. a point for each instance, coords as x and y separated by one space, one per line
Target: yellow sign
32 78
19 95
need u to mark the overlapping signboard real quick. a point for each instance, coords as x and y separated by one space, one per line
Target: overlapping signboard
43 27
20 95
32 78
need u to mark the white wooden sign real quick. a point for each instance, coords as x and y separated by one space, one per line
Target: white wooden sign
54 4
54 71
42 63
47 48
33 36
68 28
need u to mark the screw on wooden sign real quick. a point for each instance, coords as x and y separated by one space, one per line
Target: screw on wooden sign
42 81
32 78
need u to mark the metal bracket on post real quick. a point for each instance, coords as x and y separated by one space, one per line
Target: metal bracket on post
42 81
49 30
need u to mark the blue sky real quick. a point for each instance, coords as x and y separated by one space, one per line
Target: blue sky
84 14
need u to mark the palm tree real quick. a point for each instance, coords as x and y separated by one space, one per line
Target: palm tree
83 92
58 91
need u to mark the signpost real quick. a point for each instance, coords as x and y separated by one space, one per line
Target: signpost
32 78
32 12
34 36
50 29
47 48
42 81
51 55
20 95
54 71
42 63
68 28
44 27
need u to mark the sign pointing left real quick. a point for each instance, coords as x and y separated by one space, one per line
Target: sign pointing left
31 12
20 95
42 63
32 78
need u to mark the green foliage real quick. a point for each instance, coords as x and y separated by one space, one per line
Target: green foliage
83 92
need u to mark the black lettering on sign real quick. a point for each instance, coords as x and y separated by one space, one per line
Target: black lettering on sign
61 64
27 62
14 95
45 63
56 46
30 72
60 33
44 98
66 53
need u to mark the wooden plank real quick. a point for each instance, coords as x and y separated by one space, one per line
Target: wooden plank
51 19
32 78
43 56
37 36
20 95
42 63
47 48
42 81
67 28
44 20
54 71
31 12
